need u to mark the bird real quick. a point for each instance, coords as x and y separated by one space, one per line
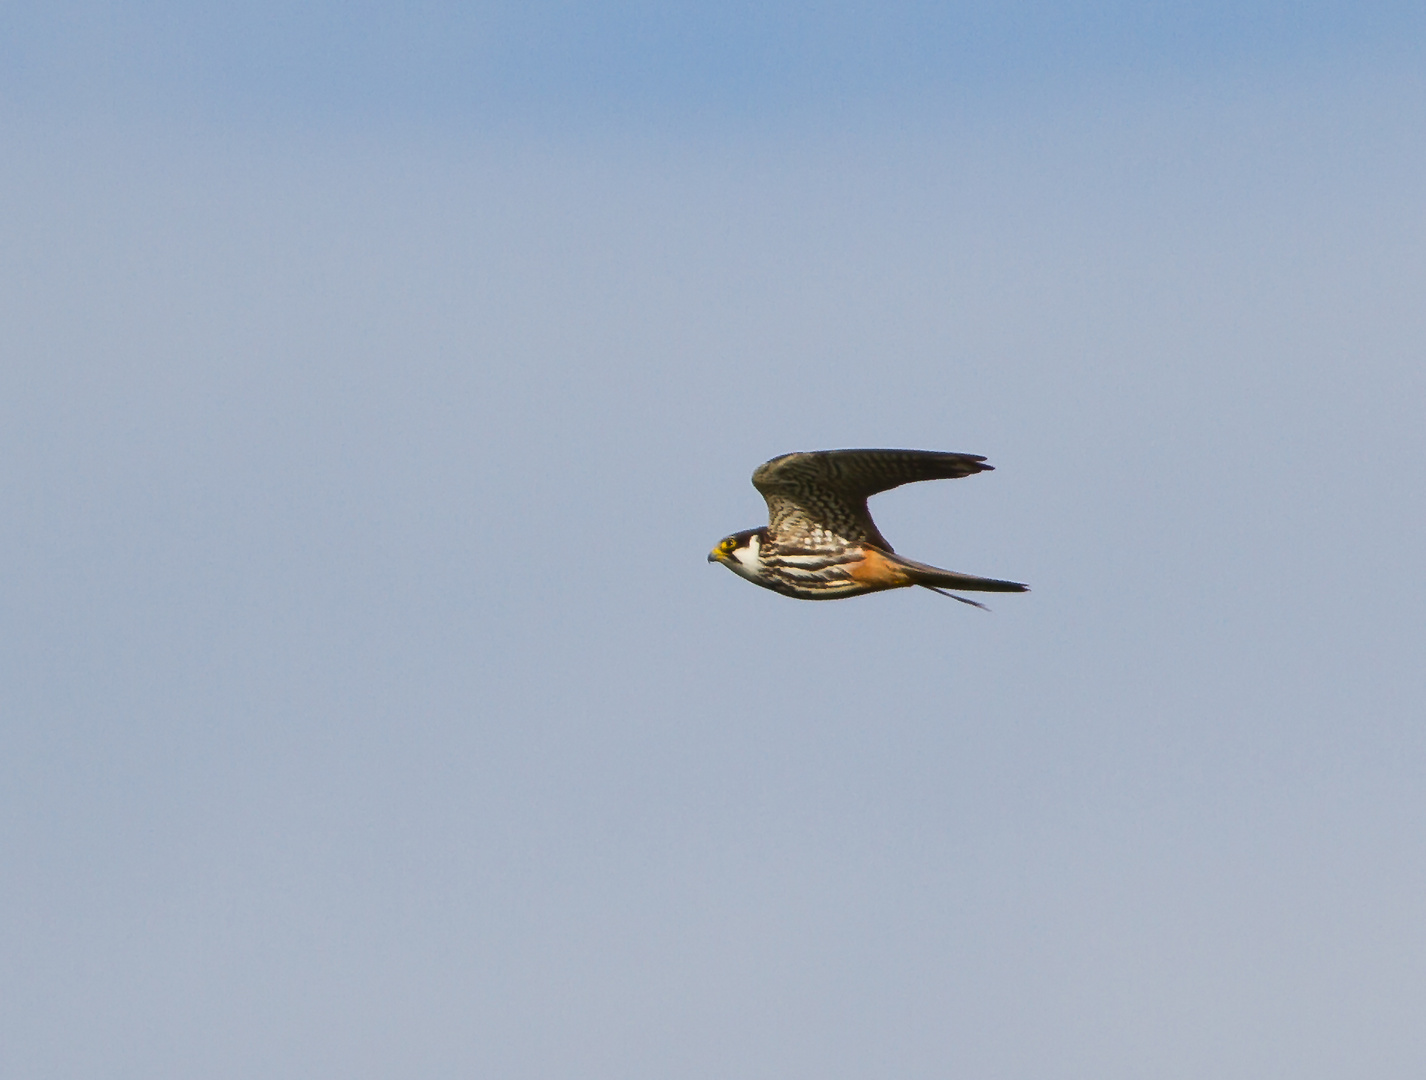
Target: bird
820 542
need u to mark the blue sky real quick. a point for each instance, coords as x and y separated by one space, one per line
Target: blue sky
375 386
592 62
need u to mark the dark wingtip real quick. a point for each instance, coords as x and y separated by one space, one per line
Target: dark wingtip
991 585
1000 586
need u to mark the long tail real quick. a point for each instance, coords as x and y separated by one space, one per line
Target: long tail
937 580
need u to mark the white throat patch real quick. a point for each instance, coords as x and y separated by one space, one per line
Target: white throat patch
747 559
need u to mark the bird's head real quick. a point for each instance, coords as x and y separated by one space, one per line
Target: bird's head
740 552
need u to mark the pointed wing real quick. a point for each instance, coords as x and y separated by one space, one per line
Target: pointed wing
817 496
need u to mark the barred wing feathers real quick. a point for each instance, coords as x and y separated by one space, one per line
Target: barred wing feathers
818 498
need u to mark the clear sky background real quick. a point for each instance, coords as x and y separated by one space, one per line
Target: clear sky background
374 380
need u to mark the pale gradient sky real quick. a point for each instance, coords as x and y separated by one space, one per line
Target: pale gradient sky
375 381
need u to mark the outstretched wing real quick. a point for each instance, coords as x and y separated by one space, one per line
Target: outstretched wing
813 498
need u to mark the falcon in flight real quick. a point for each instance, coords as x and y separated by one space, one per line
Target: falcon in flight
820 542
